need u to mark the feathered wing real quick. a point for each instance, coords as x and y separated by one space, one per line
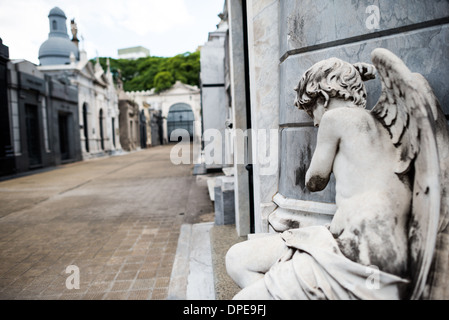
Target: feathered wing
408 109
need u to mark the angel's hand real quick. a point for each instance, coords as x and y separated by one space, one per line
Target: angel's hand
366 70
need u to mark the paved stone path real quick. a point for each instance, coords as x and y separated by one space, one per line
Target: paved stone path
117 219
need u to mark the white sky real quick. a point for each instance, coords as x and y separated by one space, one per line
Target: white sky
166 27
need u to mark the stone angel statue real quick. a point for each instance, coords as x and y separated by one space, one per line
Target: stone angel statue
74 29
391 170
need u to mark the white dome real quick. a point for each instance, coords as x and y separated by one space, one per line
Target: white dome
58 48
56 11
57 51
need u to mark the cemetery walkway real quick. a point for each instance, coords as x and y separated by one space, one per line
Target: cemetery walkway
115 220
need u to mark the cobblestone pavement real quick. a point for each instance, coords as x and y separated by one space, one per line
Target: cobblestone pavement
117 219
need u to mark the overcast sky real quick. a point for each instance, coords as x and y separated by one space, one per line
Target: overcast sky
165 27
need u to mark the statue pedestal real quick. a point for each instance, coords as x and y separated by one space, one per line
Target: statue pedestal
224 201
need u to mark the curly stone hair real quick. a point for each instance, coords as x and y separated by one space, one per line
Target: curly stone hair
333 78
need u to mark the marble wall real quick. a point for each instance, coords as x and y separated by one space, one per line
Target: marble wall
238 104
213 95
264 49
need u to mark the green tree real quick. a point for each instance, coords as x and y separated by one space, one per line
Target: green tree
159 73
163 80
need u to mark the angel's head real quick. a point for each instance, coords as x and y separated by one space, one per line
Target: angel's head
333 78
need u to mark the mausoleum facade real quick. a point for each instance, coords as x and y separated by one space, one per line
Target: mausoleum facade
41 122
97 96
179 107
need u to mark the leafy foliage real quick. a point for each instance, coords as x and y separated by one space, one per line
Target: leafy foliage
159 73
163 80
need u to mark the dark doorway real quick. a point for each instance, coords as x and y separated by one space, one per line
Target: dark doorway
101 129
156 128
64 147
180 117
85 127
113 132
33 136
143 130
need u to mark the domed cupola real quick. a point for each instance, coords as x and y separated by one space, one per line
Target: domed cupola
57 49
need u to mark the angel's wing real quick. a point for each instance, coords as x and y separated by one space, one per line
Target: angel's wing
408 109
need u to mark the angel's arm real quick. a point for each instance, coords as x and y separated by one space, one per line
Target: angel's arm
318 175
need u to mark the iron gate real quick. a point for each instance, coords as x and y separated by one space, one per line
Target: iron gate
180 117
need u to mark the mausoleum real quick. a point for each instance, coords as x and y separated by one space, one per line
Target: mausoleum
98 109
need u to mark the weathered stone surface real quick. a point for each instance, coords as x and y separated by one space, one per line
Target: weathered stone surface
224 201
424 51
263 29
340 20
344 33
298 145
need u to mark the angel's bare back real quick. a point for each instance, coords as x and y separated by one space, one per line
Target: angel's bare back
370 223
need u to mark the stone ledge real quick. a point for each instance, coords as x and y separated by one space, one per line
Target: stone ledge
294 213
222 238
192 273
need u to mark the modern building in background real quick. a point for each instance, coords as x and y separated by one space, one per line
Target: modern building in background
133 53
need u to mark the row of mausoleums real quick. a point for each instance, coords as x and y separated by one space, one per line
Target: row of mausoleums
69 109
57 114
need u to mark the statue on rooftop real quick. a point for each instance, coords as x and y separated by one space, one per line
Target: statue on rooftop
391 169
74 29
